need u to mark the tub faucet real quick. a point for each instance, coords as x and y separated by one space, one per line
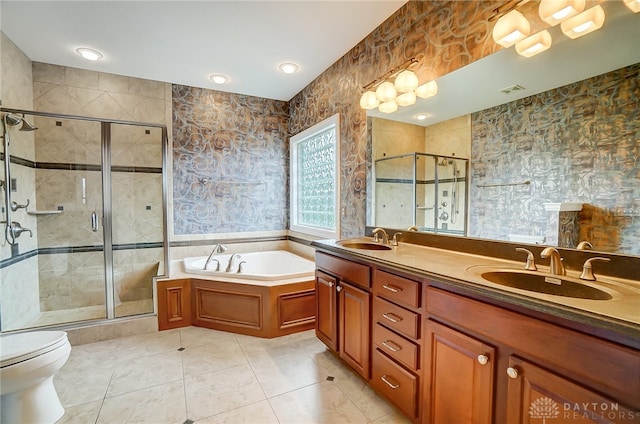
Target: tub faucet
377 232
557 268
240 266
210 259
16 229
218 248
229 265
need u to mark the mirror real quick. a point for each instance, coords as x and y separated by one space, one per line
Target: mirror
555 162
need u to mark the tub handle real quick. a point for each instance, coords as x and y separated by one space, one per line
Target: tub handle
94 221
240 266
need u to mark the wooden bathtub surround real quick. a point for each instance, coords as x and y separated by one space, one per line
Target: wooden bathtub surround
443 353
261 311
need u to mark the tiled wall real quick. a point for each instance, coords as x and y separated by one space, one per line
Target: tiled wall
230 162
19 282
579 143
444 36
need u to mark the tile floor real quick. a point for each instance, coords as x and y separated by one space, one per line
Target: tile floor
195 375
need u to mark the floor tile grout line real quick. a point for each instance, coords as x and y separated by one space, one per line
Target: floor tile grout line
184 382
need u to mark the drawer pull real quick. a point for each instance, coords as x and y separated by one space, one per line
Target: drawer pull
392 317
388 383
512 372
392 289
391 346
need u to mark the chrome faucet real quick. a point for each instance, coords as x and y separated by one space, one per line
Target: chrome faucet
377 232
16 229
557 268
218 248
231 262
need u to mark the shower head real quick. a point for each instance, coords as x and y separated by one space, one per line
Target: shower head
14 120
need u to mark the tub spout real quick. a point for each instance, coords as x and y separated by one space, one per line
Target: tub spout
230 264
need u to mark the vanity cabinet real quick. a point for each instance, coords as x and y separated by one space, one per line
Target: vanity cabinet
397 340
343 310
541 370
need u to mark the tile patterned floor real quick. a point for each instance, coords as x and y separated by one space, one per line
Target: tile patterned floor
217 377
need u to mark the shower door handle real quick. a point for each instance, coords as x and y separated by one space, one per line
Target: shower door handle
94 221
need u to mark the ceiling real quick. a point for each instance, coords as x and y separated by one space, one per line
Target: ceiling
184 42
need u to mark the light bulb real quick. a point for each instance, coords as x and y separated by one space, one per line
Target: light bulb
386 91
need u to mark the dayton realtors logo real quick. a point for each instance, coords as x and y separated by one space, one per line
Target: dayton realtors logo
547 409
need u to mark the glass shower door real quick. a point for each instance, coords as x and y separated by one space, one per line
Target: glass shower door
137 215
67 210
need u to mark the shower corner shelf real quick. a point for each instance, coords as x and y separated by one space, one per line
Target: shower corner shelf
38 213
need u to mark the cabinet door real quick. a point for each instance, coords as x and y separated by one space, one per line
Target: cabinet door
535 395
326 312
354 328
459 383
174 304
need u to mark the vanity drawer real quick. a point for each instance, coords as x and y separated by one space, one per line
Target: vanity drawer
397 318
397 289
395 383
397 347
345 270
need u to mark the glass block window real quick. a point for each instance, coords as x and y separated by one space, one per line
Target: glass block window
314 179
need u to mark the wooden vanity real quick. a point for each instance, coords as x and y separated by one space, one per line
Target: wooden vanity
446 352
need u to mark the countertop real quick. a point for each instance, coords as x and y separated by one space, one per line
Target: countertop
621 314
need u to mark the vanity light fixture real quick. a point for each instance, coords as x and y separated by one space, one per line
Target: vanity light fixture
584 23
537 43
406 99
634 5
554 12
288 67
427 90
388 107
406 81
89 54
511 28
386 92
219 78
369 100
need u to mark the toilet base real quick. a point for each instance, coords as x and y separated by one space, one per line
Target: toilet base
38 404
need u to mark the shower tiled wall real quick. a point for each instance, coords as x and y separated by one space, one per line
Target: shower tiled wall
230 162
578 143
18 282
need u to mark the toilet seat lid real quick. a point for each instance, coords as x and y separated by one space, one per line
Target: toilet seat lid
16 348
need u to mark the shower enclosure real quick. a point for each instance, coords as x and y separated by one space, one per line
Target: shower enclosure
84 218
422 190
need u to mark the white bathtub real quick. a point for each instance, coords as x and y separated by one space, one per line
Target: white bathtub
266 266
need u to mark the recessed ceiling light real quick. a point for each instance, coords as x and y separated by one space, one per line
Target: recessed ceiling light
89 54
219 78
288 67
422 116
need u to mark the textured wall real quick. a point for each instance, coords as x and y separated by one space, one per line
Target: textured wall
578 143
230 162
444 36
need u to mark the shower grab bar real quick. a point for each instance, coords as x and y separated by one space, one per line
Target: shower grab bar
503 185
94 221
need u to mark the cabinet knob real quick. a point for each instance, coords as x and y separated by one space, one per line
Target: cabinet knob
338 288
512 372
483 359
331 283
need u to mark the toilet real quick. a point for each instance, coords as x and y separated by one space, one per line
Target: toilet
28 363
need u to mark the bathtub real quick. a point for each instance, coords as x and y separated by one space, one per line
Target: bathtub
274 295
265 266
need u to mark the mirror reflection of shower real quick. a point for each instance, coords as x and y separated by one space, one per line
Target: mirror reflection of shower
12 229
455 191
